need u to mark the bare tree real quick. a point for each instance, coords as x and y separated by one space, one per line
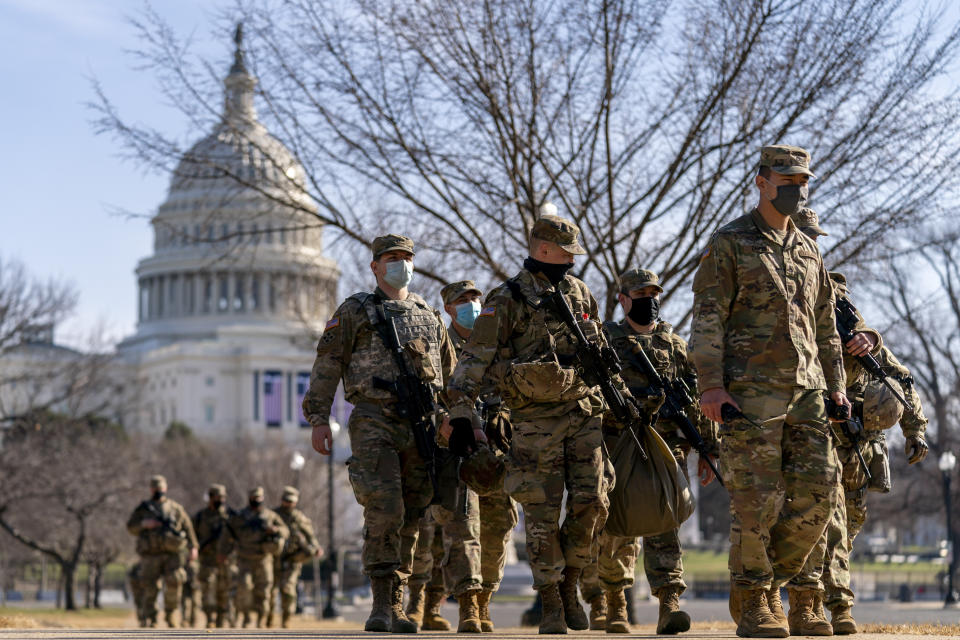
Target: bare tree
640 119
59 476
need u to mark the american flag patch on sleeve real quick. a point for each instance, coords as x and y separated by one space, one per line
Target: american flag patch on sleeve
332 323
487 312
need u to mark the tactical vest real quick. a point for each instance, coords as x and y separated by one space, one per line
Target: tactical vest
418 328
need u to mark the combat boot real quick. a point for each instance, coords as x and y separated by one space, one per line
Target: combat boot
598 612
756 621
483 605
168 618
399 622
671 619
211 619
775 603
469 613
432 619
379 620
270 619
573 613
552 618
802 619
285 620
842 620
415 603
617 619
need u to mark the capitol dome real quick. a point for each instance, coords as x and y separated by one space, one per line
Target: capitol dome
236 241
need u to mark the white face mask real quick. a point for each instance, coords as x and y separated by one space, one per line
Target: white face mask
399 273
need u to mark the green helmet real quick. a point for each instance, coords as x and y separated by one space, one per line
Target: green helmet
881 409
483 471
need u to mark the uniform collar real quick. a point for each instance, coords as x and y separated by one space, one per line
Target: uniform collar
768 232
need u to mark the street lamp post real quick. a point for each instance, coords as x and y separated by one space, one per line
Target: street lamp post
330 611
297 461
947 464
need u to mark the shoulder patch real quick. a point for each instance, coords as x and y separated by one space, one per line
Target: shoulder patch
332 323
488 312
705 254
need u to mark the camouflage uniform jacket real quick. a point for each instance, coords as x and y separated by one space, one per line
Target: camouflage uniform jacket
351 350
764 310
913 422
247 532
302 541
526 352
668 354
209 525
178 536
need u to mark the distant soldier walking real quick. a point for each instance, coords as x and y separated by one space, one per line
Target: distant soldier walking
163 530
258 534
301 546
214 576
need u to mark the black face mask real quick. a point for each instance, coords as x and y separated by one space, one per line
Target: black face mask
255 505
644 311
158 495
790 198
553 272
217 504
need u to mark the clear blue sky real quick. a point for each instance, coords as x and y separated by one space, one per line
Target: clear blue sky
60 181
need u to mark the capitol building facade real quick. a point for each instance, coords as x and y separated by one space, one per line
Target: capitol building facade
236 292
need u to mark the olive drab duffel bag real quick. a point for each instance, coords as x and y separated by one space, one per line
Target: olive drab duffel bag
650 496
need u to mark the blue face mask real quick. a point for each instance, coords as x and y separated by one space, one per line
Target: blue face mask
399 274
467 313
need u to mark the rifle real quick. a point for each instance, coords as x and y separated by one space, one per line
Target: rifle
676 400
851 427
597 366
165 522
416 398
217 531
847 319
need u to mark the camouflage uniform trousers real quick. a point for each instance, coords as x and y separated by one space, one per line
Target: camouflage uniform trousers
498 517
136 591
214 581
781 479
165 568
428 558
190 603
836 574
390 482
820 564
254 581
546 456
286 575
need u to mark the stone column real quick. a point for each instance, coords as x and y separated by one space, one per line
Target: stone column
231 289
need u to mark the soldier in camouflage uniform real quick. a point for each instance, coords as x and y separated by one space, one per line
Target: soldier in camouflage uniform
257 534
498 511
454 522
641 328
301 546
163 530
556 443
388 474
213 577
764 340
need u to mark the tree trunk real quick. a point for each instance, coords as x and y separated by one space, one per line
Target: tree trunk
88 588
97 584
69 585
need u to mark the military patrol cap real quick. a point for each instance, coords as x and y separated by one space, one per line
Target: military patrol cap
256 494
391 242
808 221
638 279
217 490
290 494
786 160
456 289
559 231
483 471
158 482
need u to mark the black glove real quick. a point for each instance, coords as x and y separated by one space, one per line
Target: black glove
462 440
